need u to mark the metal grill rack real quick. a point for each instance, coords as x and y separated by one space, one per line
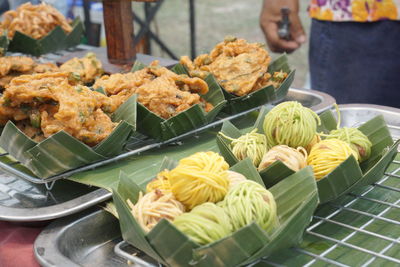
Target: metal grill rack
361 228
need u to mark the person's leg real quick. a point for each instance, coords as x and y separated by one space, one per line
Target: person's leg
356 62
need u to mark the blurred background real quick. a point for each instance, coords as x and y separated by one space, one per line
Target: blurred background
169 21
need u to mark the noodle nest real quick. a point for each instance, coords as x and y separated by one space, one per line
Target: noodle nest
291 124
326 155
205 224
252 145
250 202
154 206
358 141
200 178
295 159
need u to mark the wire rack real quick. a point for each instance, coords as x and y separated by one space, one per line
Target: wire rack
361 228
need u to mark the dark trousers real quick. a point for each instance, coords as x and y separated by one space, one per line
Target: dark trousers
356 62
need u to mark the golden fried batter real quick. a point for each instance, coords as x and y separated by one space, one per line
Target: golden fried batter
159 89
240 67
45 67
50 102
35 21
18 64
85 69
13 66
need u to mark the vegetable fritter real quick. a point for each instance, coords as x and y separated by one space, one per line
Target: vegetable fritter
85 70
35 21
240 67
51 103
159 89
13 66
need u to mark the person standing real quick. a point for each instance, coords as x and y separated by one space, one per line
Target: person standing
354 46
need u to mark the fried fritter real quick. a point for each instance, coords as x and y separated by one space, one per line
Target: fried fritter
50 102
18 64
240 67
13 66
35 21
159 89
45 67
85 69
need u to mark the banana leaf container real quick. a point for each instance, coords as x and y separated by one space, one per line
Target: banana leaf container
62 152
261 96
54 41
169 246
194 117
3 45
348 176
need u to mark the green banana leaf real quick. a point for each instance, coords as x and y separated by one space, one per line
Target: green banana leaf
169 246
143 165
3 45
54 41
62 152
162 129
343 179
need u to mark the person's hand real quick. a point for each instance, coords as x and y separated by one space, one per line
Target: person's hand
269 18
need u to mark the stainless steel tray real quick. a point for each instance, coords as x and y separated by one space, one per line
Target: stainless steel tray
347 229
21 200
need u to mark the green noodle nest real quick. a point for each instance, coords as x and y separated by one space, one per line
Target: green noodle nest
204 224
252 145
358 141
291 124
249 202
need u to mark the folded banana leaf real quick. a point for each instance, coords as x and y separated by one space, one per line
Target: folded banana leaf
169 246
62 152
343 179
54 41
3 45
159 128
349 175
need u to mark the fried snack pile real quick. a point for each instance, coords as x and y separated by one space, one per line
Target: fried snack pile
35 21
13 66
159 89
82 70
85 70
240 67
44 104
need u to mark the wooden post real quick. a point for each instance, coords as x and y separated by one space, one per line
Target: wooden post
118 22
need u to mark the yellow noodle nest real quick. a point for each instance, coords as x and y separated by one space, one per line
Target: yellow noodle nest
295 159
200 178
161 182
326 155
154 206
